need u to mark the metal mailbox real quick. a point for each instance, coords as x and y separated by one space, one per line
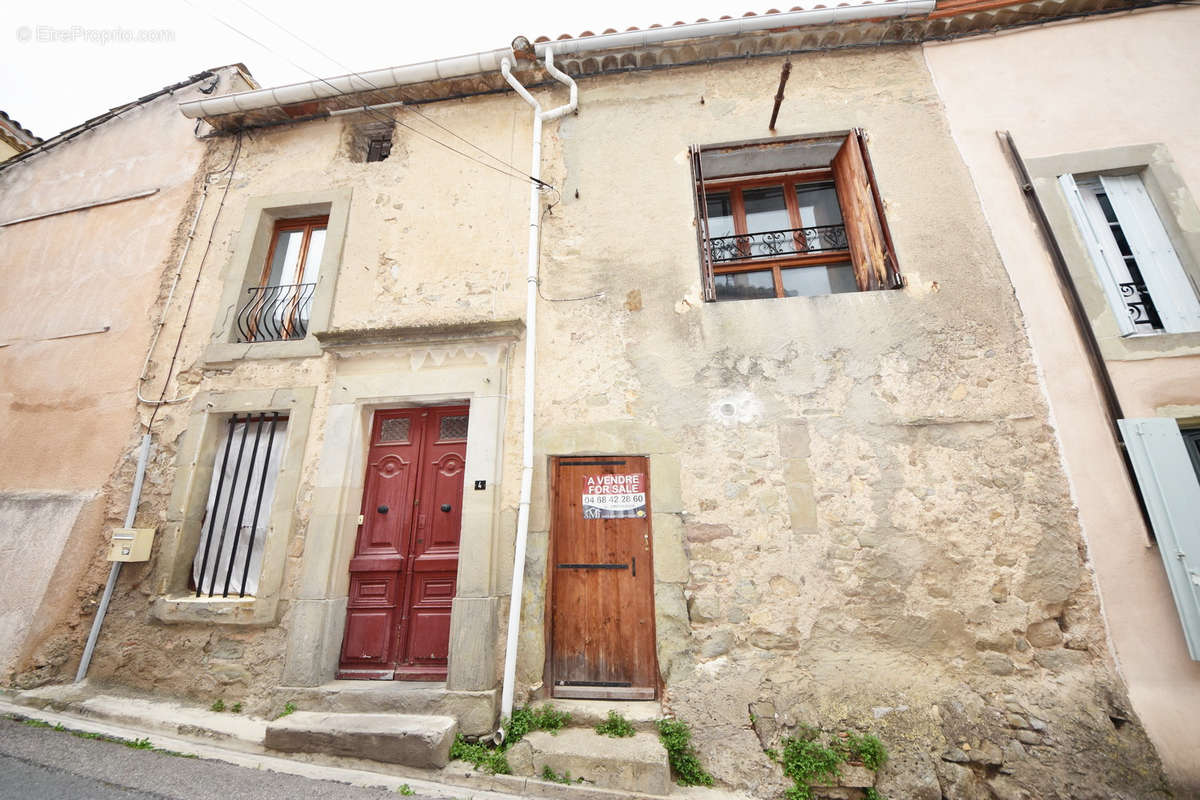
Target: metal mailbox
131 544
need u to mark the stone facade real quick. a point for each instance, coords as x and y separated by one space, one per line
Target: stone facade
860 515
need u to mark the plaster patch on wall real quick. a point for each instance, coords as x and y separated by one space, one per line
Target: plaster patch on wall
742 408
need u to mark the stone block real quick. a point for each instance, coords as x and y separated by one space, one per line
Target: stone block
414 741
472 663
670 560
634 764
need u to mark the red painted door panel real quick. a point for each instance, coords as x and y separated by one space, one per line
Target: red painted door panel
405 564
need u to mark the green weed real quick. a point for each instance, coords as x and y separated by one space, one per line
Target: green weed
524 720
480 755
550 775
288 708
218 705
615 726
404 789
236 708
806 759
676 738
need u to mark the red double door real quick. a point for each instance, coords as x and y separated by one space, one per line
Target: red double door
405 563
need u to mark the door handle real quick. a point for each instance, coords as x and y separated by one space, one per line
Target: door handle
382 509
445 507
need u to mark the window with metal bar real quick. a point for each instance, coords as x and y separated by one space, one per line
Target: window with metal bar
793 217
229 555
1139 269
279 307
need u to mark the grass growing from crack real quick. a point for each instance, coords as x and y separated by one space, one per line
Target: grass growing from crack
135 744
405 790
806 759
676 738
492 759
550 775
288 708
615 726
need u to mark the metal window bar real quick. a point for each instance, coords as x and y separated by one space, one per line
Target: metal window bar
276 313
1138 303
773 244
250 488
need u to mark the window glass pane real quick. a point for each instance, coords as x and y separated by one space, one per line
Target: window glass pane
766 210
813 281
283 261
818 207
766 216
312 259
720 215
745 285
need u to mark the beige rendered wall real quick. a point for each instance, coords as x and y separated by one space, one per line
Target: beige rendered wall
1072 88
76 316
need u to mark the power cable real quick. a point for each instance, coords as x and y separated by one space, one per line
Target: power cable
511 171
407 100
231 167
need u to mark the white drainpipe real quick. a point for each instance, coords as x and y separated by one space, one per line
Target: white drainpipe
531 280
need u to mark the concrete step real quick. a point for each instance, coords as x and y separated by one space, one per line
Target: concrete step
475 711
229 729
642 714
633 764
408 739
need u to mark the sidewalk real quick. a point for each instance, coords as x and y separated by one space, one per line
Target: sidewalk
238 739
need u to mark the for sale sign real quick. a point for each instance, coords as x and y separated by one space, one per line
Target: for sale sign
614 496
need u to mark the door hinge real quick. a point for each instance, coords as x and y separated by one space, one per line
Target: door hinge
360 519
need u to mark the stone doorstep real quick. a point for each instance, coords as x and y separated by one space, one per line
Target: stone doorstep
634 764
475 711
408 739
642 714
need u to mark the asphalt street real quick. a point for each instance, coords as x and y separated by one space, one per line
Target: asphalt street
40 762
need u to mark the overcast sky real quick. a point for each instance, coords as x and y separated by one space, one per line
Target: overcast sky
68 60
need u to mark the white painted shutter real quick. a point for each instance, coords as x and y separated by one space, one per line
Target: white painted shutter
1166 281
1171 491
1106 270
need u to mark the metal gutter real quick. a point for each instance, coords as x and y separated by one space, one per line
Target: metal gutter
488 62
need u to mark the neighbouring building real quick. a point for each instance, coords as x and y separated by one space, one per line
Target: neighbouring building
89 220
1107 136
791 459
14 137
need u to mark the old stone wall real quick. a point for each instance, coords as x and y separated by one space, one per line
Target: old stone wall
877 529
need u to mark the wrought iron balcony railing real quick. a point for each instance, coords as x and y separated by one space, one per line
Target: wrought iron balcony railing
1139 304
276 313
773 244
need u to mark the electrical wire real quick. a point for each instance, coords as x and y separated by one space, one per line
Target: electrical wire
364 79
231 167
538 282
509 170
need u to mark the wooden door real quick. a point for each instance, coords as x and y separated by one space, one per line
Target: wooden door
602 581
405 563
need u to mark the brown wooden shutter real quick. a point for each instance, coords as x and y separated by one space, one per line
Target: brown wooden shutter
874 266
701 203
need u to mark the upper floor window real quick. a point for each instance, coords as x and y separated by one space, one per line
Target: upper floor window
785 218
279 307
1141 274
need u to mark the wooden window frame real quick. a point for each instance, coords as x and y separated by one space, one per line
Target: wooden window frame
870 249
305 224
788 181
308 225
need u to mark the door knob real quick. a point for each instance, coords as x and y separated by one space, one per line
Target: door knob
382 509
445 506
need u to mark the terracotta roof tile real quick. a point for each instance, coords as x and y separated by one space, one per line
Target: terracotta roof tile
767 13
